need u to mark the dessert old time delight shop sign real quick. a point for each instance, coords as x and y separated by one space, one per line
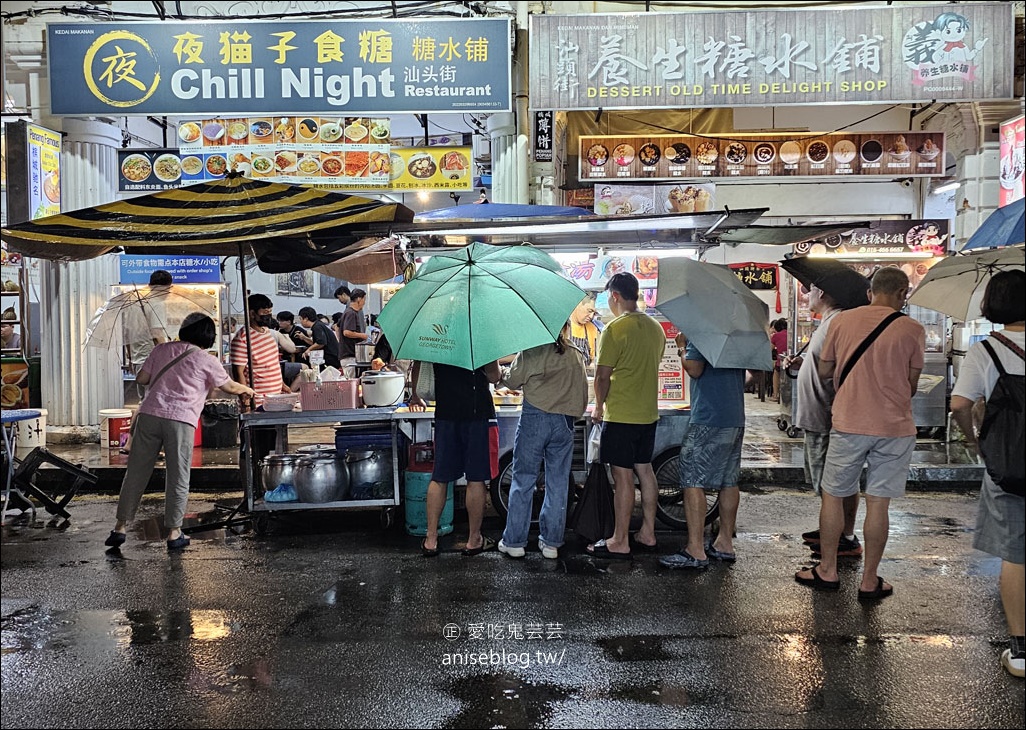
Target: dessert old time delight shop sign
918 52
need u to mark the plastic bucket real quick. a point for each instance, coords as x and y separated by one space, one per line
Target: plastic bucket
32 433
416 505
114 425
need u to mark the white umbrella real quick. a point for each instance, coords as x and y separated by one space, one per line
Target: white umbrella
144 312
955 285
715 311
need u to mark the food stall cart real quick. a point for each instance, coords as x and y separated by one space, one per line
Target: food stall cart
262 509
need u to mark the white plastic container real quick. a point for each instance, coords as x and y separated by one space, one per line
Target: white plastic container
32 433
114 425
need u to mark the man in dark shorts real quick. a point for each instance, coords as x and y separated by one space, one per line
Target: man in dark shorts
630 349
463 414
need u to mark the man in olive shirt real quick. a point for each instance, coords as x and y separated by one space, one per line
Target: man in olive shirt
630 349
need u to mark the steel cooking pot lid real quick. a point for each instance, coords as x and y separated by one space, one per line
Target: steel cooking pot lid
362 454
280 458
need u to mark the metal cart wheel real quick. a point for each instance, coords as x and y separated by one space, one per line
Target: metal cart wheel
670 508
261 524
793 432
782 424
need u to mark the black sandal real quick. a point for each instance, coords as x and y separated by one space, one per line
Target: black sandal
426 553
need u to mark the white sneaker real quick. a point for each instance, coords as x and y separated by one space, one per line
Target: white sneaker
512 552
547 551
1016 666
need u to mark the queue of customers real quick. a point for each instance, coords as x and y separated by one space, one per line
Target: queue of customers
856 381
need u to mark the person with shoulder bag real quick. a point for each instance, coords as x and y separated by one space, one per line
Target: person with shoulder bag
178 375
994 370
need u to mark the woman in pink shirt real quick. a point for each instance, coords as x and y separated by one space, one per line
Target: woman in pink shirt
179 376
779 341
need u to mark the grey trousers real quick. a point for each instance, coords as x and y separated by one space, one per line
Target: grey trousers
149 435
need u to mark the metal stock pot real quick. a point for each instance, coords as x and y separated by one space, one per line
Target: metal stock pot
278 469
321 478
369 469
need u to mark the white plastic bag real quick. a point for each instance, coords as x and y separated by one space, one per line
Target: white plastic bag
595 443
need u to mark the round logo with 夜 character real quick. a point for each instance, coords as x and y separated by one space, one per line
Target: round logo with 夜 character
120 69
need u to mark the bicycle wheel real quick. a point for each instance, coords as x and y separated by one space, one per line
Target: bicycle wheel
670 507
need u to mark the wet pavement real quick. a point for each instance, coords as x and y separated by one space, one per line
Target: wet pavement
770 457
330 621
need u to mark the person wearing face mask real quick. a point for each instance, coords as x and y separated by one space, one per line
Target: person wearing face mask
266 373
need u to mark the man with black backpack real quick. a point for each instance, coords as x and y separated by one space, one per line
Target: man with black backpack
875 355
994 370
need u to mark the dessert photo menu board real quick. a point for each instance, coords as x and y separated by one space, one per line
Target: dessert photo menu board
662 157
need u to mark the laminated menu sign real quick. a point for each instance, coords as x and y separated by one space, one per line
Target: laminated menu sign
671 370
668 157
332 152
653 199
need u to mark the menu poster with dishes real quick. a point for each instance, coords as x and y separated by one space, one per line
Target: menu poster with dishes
154 169
1012 157
661 157
302 149
431 168
44 166
883 237
653 199
594 273
671 369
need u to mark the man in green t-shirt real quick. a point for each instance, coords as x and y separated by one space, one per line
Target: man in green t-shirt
630 349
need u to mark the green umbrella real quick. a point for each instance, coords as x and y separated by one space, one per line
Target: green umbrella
477 304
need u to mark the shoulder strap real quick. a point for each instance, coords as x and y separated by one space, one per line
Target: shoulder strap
864 345
994 357
169 366
1009 344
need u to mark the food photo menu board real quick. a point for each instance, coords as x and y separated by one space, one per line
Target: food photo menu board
662 157
305 149
348 152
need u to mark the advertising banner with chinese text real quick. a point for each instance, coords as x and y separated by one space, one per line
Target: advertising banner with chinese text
764 57
241 67
883 237
183 269
756 276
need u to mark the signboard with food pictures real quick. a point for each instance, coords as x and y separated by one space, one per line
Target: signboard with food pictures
33 171
919 52
652 199
883 237
671 368
593 273
428 168
661 157
1013 161
245 67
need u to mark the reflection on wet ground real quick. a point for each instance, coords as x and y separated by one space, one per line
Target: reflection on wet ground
332 621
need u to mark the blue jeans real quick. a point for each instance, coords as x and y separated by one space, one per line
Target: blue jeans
541 437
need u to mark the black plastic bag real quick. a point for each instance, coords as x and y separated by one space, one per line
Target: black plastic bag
593 517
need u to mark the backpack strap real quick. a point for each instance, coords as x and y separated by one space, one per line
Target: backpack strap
994 357
1009 344
864 345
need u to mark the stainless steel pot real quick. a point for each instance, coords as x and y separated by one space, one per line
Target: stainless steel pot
364 352
316 450
369 469
321 478
277 469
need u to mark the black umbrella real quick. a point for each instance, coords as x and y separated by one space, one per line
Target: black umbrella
844 285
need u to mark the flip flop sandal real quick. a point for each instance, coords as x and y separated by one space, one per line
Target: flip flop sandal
599 550
486 544
817 583
877 593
